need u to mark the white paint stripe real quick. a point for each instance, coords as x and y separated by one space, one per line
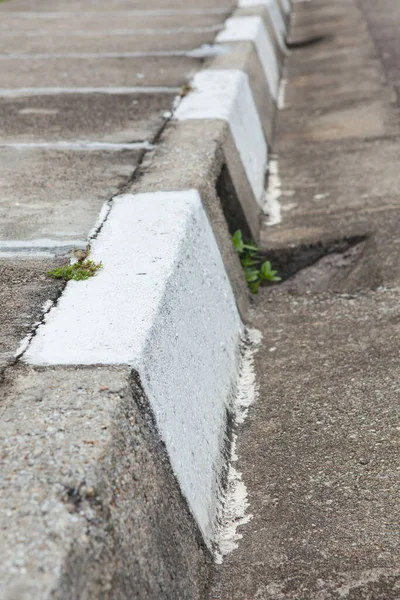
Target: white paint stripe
275 15
281 95
124 13
253 29
41 244
234 504
77 145
205 50
89 55
226 95
38 91
273 193
159 258
109 32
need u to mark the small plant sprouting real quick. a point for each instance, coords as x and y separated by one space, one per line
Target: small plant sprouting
254 272
80 270
186 88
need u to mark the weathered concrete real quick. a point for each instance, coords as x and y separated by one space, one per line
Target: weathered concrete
24 290
97 117
66 204
99 72
319 453
129 22
184 8
53 43
90 507
72 525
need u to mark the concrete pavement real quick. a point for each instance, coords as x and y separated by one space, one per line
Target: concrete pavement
319 453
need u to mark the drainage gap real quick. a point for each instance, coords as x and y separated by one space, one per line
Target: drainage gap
318 267
231 206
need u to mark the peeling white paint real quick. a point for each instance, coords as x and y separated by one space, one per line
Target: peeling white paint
272 206
253 29
226 94
281 94
234 504
105 209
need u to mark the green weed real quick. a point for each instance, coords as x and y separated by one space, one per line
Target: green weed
255 271
79 271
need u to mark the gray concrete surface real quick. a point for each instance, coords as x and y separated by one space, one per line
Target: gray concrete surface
116 118
58 194
319 453
24 290
90 507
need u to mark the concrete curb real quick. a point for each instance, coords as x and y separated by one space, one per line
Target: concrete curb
170 300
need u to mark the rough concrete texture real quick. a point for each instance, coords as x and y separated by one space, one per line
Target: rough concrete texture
66 204
127 22
66 72
82 43
184 7
90 507
319 451
97 117
24 289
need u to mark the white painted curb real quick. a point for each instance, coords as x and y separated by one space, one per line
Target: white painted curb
238 29
162 304
275 14
226 95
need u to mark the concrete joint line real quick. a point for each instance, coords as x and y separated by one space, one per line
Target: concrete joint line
37 91
110 32
133 13
253 29
160 261
200 52
77 145
226 95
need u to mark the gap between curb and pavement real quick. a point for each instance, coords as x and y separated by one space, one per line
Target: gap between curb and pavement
125 394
